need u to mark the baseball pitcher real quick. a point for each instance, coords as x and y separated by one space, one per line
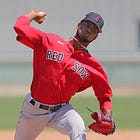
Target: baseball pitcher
61 68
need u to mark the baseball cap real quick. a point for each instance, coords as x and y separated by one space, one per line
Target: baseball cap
94 18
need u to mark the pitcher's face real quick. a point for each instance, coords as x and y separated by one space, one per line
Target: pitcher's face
87 31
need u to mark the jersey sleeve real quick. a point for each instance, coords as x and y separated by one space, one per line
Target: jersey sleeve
102 87
100 84
27 34
102 91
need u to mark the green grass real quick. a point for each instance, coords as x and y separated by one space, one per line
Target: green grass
9 112
126 112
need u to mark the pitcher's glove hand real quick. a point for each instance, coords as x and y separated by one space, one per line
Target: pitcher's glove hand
103 124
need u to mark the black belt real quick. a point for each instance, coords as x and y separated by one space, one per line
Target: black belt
49 108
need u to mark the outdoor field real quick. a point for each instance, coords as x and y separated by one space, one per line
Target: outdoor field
125 113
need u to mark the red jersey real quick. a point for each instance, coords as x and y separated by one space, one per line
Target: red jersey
60 71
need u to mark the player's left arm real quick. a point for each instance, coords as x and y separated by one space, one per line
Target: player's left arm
104 123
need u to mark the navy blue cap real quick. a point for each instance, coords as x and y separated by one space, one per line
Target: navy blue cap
96 19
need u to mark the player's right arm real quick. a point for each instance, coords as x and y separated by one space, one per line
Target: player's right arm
27 34
39 17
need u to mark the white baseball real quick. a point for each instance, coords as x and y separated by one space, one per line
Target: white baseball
41 13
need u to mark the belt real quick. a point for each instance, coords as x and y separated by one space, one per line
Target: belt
45 107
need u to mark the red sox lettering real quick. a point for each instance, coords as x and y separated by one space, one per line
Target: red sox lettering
54 55
80 70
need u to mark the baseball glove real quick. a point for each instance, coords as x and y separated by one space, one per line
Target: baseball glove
103 124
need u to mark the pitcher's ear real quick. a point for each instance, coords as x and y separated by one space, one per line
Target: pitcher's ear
77 26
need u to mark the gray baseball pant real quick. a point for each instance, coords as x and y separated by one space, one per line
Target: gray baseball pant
32 121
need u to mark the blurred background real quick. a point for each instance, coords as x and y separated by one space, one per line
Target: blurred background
117 47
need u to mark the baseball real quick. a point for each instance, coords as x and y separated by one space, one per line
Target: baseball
41 13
